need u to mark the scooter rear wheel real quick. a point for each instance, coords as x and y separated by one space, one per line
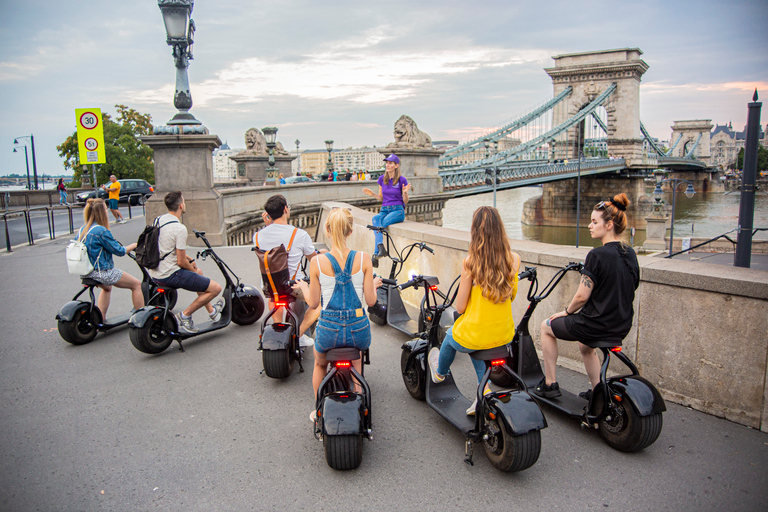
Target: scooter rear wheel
343 452
507 452
153 337
83 326
277 363
627 431
246 310
414 380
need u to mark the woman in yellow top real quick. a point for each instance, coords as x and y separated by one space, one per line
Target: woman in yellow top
486 290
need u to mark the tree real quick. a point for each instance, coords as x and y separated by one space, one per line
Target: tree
762 159
126 156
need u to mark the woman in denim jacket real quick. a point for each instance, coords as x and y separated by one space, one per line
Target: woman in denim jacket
101 246
343 319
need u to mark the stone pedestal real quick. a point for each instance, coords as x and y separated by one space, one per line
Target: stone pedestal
655 229
185 162
253 167
420 168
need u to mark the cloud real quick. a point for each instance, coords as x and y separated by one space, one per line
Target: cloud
18 71
667 88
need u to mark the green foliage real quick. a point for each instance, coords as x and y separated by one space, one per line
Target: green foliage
762 159
126 156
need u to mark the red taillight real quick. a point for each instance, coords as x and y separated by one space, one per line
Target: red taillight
615 349
343 364
497 362
161 290
433 287
151 189
281 304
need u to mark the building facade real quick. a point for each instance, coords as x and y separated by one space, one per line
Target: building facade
314 161
224 168
725 144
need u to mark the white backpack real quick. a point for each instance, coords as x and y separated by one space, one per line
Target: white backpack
77 256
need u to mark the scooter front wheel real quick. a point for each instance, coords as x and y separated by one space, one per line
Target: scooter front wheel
154 337
83 326
246 310
507 452
415 381
625 430
343 452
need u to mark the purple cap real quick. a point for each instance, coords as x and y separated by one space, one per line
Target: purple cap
392 158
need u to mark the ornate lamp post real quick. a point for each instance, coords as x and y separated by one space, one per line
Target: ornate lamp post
34 161
180 30
298 158
26 157
329 148
270 135
689 192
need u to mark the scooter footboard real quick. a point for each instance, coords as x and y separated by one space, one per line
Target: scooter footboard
519 412
643 395
342 414
277 337
142 316
68 310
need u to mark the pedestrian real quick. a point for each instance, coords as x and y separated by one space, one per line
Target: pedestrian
601 309
62 192
282 179
114 197
487 288
393 194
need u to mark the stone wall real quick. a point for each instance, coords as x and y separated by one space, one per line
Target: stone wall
700 331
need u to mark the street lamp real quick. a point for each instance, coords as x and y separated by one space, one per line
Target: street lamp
180 31
329 148
270 135
298 158
26 157
34 161
689 192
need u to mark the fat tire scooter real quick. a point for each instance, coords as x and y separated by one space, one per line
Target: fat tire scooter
626 410
343 414
153 328
80 321
389 307
508 423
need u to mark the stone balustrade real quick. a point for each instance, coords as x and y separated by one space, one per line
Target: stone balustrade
700 331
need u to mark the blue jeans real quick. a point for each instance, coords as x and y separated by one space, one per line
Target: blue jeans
448 352
386 217
62 197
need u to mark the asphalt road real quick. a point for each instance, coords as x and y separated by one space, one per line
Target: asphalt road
105 427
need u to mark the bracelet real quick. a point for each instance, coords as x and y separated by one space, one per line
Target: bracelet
566 311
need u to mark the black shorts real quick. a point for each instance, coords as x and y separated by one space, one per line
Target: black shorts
562 329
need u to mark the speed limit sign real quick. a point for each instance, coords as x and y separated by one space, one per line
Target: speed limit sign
90 136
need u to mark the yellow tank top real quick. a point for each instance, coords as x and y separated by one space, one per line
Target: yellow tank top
485 324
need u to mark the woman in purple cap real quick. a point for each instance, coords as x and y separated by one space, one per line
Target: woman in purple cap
393 193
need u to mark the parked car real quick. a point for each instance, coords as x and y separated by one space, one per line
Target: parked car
290 180
127 188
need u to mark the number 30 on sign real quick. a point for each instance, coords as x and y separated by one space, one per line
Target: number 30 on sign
90 136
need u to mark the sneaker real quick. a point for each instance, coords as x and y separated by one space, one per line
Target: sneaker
471 410
121 221
551 391
381 252
586 395
432 358
215 315
186 324
306 341
313 416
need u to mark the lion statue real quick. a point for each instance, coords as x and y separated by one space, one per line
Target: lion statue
408 135
256 143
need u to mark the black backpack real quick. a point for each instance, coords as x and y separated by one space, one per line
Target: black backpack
148 247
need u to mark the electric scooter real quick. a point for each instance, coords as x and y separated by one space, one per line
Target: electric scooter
343 413
508 423
80 321
389 307
626 410
153 328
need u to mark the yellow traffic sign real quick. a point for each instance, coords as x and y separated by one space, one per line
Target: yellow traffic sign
90 136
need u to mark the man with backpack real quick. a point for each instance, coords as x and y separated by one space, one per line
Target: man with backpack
176 270
297 242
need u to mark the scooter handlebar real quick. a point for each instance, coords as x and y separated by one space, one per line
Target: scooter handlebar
424 246
391 282
412 282
294 281
528 273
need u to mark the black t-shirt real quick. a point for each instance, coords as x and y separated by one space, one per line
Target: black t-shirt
607 315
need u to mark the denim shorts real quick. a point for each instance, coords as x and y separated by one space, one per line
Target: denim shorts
186 280
338 329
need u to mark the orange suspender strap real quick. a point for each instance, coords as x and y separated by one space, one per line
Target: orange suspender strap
269 276
290 243
256 240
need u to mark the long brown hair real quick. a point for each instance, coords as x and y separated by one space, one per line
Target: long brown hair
95 211
613 209
395 177
490 261
339 226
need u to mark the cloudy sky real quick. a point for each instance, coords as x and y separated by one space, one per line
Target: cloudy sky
347 70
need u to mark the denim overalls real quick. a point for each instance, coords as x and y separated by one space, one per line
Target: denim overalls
343 323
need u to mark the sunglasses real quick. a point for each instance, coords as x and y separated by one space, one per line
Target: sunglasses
602 204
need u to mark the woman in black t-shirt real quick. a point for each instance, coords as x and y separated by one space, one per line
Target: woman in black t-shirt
602 309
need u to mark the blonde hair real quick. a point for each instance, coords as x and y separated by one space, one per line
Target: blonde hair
490 261
339 226
95 211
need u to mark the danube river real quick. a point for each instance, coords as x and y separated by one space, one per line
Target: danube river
703 216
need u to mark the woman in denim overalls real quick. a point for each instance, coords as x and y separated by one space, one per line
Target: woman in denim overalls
343 319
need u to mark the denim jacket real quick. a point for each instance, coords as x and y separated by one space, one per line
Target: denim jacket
101 246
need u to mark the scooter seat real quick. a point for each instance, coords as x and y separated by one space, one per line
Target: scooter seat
342 354
87 281
491 353
603 343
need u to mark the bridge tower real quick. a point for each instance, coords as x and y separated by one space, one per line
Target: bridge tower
694 136
589 74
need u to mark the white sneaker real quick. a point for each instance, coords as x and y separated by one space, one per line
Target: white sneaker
186 325
306 341
471 410
432 359
313 416
215 315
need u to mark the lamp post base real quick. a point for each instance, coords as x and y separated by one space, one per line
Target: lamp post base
183 117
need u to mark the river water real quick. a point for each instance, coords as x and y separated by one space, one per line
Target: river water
702 216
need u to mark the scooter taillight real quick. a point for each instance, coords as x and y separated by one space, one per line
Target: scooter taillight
161 290
343 364
281 303
615 349
497 362
433 287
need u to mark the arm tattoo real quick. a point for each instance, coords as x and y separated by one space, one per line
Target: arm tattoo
586 281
